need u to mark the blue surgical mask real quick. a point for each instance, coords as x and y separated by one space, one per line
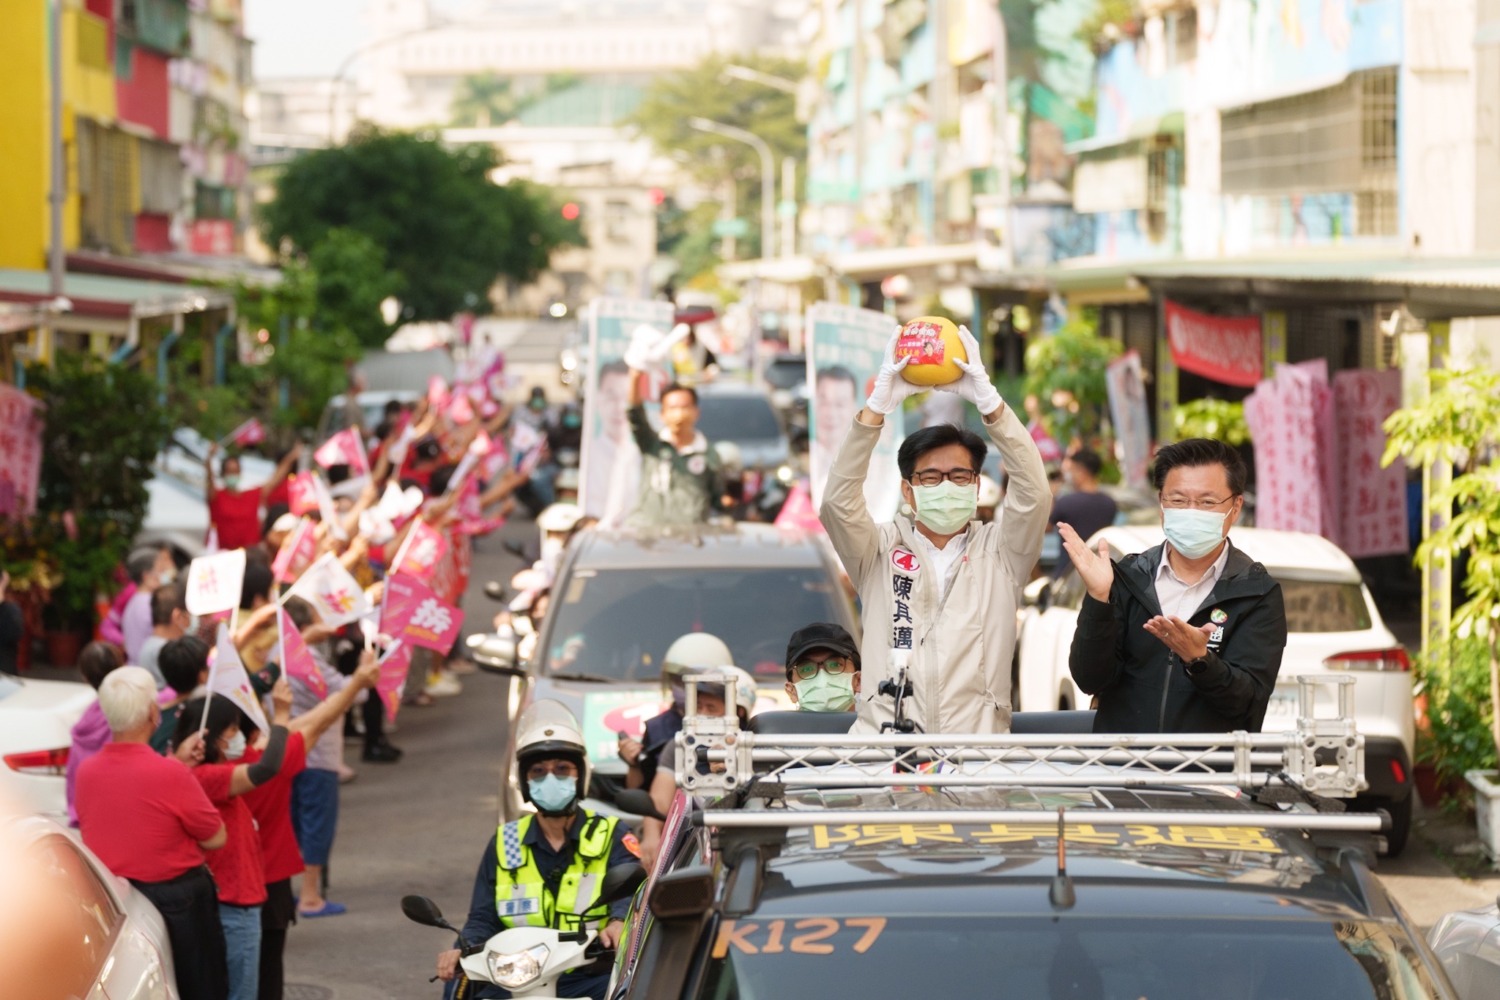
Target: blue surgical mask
553 794
236 748
1193 533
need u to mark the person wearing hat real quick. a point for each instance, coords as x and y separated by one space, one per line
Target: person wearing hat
541 870
822 668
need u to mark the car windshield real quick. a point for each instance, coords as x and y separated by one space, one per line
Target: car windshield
1314 606
737 418
619 623
1081 958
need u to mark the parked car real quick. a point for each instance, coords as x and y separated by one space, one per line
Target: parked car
621 598
70 924
1332 625
36 723
742 414
907 871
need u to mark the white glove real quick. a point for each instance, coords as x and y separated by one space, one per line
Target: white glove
974 385
649 347
891 390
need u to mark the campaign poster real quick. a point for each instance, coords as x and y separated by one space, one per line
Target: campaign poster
1283 417
610 465
1372 497
1132 419
20 452
845 347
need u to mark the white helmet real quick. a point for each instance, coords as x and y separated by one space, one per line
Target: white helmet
989 492
694 651
547 730
729 455
560 517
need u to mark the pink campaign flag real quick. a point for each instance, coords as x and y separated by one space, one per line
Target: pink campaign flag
332 591
296 659
214 582
394 666
227 677
417 616
248 433
437 392
461 410
296 553
422 551
344 448
302 495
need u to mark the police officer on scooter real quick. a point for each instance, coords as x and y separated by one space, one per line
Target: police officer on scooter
539 870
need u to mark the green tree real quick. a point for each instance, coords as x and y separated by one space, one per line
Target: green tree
482 100
104 426
446 230
1216 419
1065 371
703 91
1460 423
352 282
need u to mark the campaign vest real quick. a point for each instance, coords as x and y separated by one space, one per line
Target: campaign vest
522 895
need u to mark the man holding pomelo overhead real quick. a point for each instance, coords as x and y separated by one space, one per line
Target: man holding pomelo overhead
939 589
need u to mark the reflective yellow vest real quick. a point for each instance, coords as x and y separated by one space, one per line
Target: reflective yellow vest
521 893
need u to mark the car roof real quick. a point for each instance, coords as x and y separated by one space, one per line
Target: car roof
741 546
1210 871
1294 555
731 389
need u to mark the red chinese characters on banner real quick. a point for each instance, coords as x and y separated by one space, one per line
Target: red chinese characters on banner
20 452
1372 499
1223 348
1283 415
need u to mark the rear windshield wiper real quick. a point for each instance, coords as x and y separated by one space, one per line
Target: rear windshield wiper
591 678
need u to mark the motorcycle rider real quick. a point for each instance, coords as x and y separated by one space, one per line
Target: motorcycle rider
538 870
689 653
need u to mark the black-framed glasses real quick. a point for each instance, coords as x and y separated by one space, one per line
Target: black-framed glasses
958 477
806 669
1194 503
560 768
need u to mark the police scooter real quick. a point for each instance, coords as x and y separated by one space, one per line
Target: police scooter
526 960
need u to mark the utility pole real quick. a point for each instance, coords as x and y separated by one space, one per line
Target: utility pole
767 177
57 196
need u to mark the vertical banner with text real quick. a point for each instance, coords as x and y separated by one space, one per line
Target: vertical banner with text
845 347
610 464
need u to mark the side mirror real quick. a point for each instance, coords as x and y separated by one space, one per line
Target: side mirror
637 802
621 882
688 892
495 653
495 590
422 910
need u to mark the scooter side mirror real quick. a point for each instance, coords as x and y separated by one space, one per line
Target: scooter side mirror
495 653
637 802
621 882
495 590
422 910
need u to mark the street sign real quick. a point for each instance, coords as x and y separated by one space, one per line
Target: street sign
737 228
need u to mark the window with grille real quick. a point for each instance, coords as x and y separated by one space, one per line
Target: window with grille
1341 139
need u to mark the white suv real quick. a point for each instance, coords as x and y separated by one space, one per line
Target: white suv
1332 625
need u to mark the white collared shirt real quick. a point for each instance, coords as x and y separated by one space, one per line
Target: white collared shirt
945 559
1179 599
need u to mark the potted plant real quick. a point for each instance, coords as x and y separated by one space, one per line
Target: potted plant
1457 425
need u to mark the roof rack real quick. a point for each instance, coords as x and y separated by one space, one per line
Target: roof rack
1317 757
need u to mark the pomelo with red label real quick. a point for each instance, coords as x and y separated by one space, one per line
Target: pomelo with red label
933 345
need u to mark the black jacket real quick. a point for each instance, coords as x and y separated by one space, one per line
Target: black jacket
1140 684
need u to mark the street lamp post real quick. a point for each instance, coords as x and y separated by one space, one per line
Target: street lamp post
745 73
767 177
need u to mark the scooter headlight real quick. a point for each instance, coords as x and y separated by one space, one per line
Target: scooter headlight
515 970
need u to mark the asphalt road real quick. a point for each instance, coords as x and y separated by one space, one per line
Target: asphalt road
418 826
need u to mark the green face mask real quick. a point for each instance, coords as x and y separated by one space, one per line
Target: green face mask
825 692
946 508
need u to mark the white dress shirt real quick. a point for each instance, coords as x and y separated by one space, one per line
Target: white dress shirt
1179 599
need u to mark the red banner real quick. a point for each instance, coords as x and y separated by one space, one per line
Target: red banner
1226 349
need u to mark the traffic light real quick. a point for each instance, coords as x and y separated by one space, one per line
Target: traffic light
571 211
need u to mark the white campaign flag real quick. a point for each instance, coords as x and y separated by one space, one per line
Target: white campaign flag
214 582
227 677
329 588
